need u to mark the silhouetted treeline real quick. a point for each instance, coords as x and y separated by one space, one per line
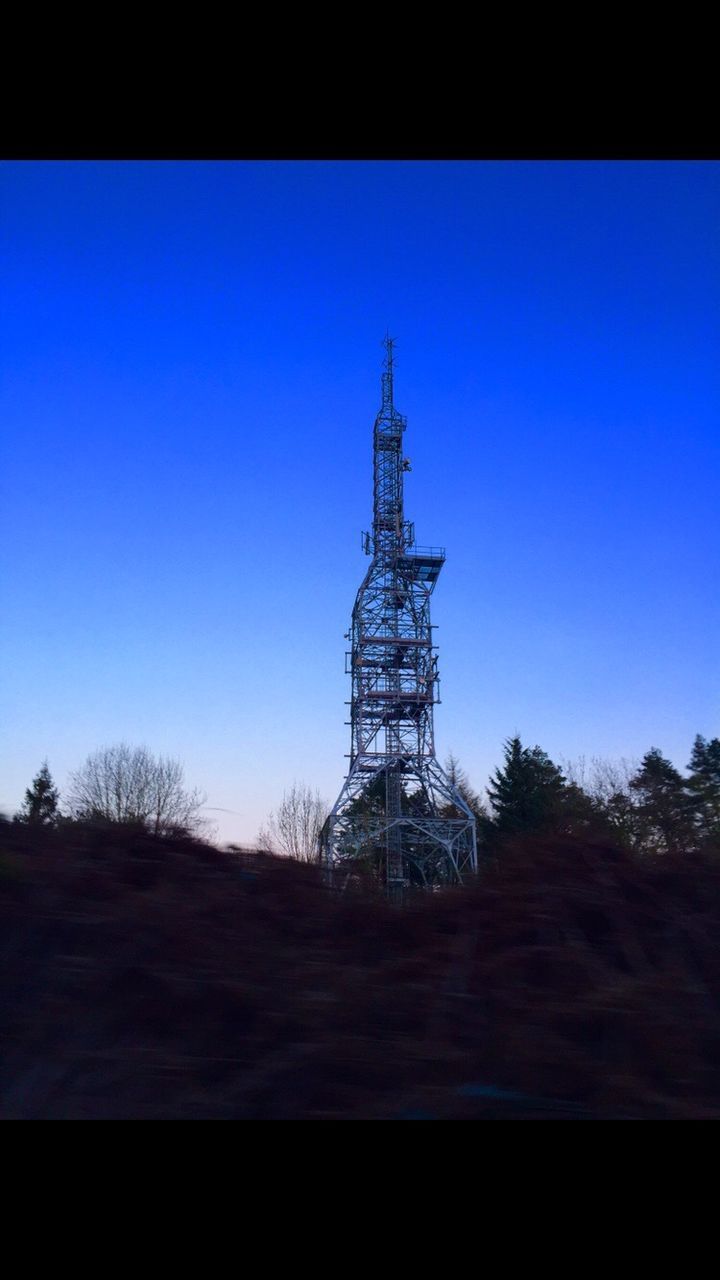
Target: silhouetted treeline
649 809
117 784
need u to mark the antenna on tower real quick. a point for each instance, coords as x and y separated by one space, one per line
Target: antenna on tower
388 371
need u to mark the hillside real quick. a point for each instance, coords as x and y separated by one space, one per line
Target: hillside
155 978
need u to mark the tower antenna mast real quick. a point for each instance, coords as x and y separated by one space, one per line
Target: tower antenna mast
397 810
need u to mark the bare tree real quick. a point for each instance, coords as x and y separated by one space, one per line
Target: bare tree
607 783
602 779
459 779
294 829
129 784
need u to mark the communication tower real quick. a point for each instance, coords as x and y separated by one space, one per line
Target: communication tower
397 811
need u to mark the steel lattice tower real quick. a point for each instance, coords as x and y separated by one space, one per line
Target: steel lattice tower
397 809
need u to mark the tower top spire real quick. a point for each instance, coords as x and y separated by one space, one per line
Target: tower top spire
388 372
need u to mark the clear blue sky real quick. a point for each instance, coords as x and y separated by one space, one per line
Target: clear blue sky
191 356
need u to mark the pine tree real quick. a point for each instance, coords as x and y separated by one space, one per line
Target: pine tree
527 794
371 802
664 810
704 788
40 806
578 812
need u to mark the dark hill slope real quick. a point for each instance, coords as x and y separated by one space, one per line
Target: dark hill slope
159 979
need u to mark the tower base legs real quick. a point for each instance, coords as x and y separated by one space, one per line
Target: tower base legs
430 842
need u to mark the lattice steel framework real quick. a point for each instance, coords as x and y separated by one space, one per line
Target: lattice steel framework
397 812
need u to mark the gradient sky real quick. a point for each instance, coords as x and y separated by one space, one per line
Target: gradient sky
191 357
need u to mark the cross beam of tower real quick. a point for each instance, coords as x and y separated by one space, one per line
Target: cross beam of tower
397 810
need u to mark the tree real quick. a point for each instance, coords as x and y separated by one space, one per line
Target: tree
294 830
527 793
459 780
664 807
371 802
40 806
130 785
606 784
704 788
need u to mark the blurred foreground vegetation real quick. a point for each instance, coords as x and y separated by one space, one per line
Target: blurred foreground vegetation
160 977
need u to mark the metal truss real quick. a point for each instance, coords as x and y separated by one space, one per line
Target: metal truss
397 813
